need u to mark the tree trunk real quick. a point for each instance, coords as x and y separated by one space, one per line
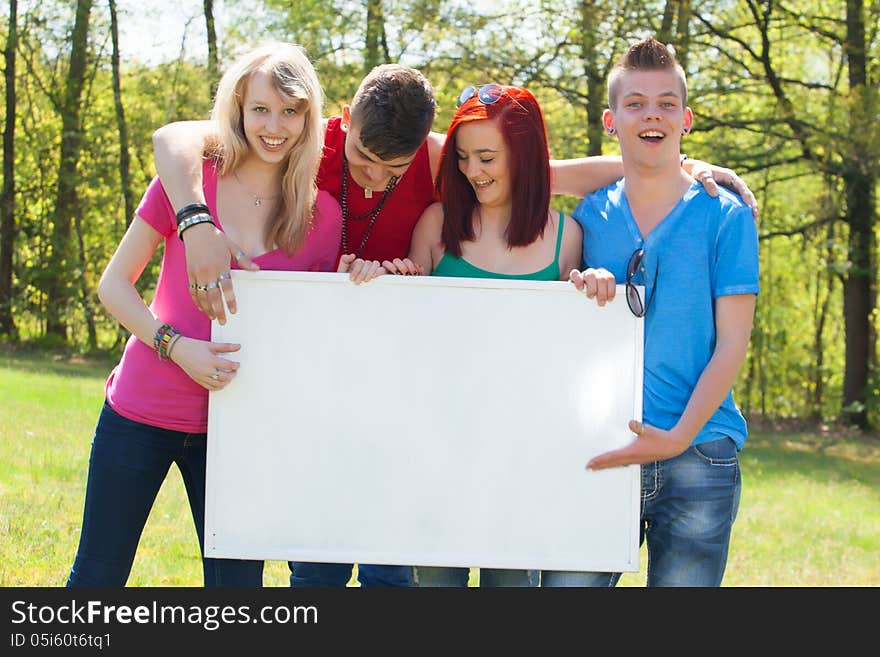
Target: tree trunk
596 89
61 288
746 401
376 45
858 298
683 38
677 15
84 291
122 127
860 180
664 34
818 397
762 337
213 64
7 202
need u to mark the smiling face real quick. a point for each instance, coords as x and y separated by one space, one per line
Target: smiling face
483 158
272 123
649 116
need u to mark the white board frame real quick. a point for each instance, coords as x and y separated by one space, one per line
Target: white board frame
419 420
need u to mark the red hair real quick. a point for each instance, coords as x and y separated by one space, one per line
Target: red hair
521 122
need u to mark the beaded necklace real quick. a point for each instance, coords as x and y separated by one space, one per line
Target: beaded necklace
372 215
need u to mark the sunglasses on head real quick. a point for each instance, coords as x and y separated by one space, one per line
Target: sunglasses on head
487 94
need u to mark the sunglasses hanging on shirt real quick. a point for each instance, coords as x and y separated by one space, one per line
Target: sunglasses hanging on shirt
633 298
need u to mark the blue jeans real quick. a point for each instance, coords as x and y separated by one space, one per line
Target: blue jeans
128 463
689 503
308 575
434 576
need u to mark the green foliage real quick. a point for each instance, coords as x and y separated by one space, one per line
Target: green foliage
153 96
783 117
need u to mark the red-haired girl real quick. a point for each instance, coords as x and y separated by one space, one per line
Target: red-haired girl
494 218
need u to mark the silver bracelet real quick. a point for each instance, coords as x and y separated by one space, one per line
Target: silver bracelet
171 345
189 222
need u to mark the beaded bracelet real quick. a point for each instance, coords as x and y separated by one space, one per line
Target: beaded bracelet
189 222
161 340
189 210
166 341
157 337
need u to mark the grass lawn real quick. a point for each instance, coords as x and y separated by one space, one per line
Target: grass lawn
809 516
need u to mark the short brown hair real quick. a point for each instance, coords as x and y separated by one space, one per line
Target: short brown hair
645 55
394 110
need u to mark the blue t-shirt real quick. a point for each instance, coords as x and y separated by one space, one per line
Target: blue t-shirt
704 248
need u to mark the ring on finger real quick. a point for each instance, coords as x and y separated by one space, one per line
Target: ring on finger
211 285
224 277
201 288
216 375
239 254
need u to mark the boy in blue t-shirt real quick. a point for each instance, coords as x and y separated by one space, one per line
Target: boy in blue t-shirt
697 257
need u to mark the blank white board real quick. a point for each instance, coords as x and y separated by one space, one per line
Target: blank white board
431 421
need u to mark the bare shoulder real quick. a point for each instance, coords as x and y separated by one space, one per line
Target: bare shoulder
571 229
430 226
435 143
426 247
572 246
571 225
431 220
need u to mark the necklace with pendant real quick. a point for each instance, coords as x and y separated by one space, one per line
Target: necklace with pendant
258 200
372 215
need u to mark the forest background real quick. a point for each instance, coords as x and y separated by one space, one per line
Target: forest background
784 92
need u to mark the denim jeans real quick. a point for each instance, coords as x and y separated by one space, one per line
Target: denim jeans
128 463
308 575
434 576
689 503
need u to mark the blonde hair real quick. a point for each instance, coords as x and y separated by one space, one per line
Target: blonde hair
294 78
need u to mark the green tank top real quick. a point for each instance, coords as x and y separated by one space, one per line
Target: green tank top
450 265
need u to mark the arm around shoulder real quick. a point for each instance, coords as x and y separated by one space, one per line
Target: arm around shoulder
178 149
435 143
584 175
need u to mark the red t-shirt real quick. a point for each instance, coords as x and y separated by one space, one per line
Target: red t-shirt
393 229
